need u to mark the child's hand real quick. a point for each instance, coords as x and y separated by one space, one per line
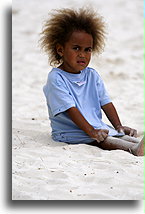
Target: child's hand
127 131
99 134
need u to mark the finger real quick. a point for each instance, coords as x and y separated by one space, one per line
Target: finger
105 135
100 136
97 139
129 131
105 130
120 130
133 133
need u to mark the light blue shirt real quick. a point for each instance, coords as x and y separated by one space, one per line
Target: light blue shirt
85 91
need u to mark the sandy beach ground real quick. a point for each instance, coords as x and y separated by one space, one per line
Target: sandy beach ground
46 170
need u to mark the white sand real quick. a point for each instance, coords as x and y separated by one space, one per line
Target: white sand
47 170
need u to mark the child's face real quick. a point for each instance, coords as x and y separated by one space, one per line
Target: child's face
76 53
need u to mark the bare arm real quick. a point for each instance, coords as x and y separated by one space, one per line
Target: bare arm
113 117
76 116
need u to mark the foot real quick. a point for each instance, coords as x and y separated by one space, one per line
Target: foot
138 149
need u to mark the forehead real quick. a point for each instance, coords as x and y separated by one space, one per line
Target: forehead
81 38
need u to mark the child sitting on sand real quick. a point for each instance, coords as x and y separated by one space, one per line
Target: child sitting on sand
75 93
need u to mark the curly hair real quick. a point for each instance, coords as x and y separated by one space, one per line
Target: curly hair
63 22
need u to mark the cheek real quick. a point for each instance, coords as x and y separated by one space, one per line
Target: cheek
71 55
88 56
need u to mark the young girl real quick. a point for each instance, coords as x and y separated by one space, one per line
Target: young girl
75 93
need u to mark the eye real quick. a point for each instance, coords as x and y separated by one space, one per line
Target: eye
76 48
88 49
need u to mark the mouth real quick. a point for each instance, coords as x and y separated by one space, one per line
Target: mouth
81 62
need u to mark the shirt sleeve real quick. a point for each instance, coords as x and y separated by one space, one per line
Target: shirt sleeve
103 94
57 95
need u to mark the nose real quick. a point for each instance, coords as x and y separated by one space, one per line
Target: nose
81 54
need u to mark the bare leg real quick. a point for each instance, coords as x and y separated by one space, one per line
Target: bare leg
111 143
138 149
130 139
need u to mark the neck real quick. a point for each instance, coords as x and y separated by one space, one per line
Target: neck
67 69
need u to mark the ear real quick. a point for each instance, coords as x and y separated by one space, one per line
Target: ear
59 49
